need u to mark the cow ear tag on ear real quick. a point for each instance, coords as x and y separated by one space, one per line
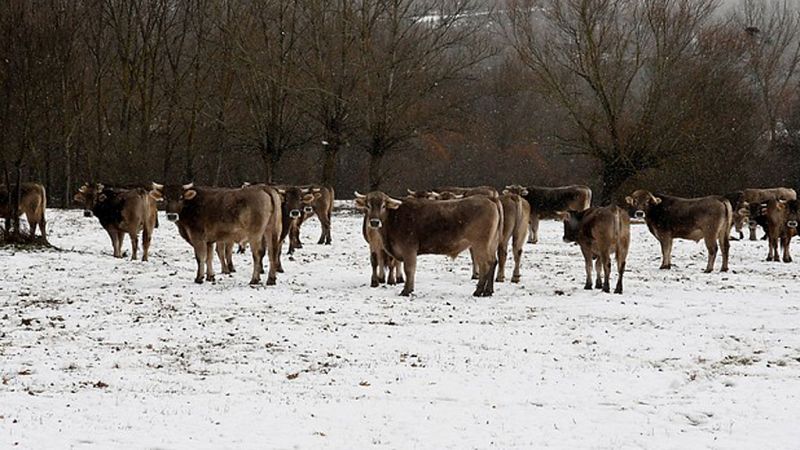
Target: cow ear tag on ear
190 194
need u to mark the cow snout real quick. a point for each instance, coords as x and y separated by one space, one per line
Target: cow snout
294 214
172 217
639 214
791 224
87 213
375 223
308 209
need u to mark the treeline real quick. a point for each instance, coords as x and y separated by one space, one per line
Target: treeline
674 95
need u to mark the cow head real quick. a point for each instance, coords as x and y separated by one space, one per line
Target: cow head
572 222
446 195
89 195
515 189
292 199
428 195
376 206
175 198
642 201
790 209
309 197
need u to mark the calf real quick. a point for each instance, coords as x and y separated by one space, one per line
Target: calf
547 202
667 217
208 215
417 227
120 212
600 232
33 203
782 218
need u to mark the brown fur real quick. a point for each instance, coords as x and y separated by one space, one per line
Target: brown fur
782 217
667 217
546 202
205 216
33 204
418 227
516 218
758 196
600 232
121 212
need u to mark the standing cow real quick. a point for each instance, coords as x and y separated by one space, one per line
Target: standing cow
322 207
208 215
600 232
742 200
414 227
121 212
782 219
667 217
547 202
33 204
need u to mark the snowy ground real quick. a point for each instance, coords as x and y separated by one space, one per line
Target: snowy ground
99 353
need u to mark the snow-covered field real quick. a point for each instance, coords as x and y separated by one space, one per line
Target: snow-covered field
99 353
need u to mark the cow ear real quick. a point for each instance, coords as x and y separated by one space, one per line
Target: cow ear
563 215
781 201
308 198
157 187
78 197
189 194
506 192
156 195
317 195
629 200
361 203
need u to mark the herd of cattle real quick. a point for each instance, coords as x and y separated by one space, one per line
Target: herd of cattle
443 221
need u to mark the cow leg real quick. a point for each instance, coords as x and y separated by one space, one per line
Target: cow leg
533 238
257 249
273 243
409 267
502 257
398 269
666 252
325 221
134 244
515 277
711 245
200 255
622 256
229 257
606 258
210 262
221 255
391 265
147 236
279 268
725 246
328 238
587 259
598 268
785 241
242 248
296 236
772 253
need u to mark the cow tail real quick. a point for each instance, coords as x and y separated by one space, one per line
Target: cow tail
500 224
42 206
728 217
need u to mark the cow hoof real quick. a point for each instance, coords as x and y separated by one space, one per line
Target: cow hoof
588 286
226 272
487 293
255 281
618 290
606 289
271 281
500 280
724 269
210 278
405 292
279 270
400 280
787 260
198 280
598 285
475 277
321 242
145 259
515 279
232 270
708 270
391 282
374 283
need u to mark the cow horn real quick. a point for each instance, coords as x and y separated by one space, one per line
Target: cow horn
359 195
410 192
394 202
188 186
316 190
157 186
245 184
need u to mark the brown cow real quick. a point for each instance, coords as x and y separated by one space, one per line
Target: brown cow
758 196
547 202
208 215
322 207
782 218
417 227
380 260
600 232
120 212
668 217
33 204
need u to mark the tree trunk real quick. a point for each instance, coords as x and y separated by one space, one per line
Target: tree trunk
614 176
269 167
329 165
375 175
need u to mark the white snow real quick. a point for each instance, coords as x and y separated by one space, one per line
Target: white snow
98 353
